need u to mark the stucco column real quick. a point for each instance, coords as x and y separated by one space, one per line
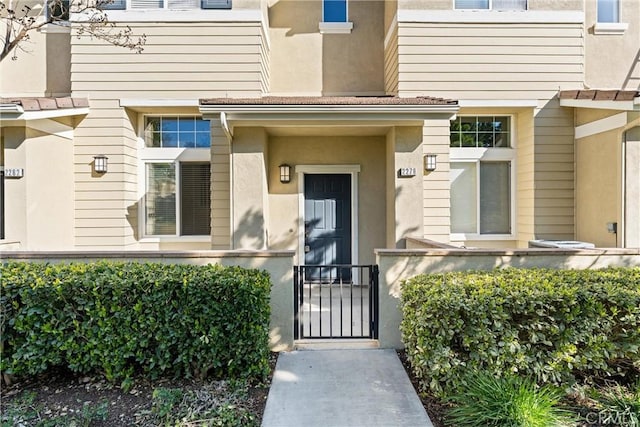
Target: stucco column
249 188
404 194
632 189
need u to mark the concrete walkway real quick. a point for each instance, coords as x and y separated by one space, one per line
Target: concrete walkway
350 388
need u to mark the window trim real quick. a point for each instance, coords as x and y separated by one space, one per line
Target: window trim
494 154
175 156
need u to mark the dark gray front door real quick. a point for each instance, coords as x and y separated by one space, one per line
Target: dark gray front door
327 219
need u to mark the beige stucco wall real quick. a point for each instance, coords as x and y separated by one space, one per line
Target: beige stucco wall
39 206
249 187
598 187
612 61
366 151
303 61
42 67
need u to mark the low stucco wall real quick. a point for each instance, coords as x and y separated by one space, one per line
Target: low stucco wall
278 264
398 265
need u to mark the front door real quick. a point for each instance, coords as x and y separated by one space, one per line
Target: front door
327 219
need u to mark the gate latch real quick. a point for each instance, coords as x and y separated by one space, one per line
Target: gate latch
307 248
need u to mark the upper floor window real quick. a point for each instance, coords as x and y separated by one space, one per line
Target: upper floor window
481 132
334 11
609 11
177 132
491 4
335 17
164 4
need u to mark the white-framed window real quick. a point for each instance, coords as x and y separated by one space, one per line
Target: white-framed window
490 4
175 171
482 177
164 4
335 17
609 11
334 11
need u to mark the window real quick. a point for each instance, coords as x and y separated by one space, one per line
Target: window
481 176
608 11
177 131
480 131
334 11
491 4
177 176
185 212
481 197
164 4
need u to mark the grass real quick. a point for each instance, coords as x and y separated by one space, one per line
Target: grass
506 402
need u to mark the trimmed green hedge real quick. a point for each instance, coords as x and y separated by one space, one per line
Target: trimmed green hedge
124 318
547 324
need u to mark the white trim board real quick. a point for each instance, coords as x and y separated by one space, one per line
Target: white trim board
617 121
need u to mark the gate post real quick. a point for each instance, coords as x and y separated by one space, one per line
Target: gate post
375 316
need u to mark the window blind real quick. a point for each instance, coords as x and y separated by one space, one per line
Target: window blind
195 198
160 200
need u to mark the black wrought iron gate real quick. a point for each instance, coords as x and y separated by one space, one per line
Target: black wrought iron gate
335 301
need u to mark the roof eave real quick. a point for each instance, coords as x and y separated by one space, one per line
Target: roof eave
18 114
328 109
631 105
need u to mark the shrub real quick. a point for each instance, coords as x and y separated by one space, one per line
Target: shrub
118 318
545 324
510 401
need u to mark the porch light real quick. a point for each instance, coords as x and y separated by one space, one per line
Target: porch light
430 162
285 173
100 163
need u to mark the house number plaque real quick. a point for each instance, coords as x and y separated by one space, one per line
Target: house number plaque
14 173
406 172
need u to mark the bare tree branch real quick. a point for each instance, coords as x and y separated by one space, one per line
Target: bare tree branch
21 20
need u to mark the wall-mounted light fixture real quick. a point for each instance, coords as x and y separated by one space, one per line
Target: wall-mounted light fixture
430 162
100 163
285 173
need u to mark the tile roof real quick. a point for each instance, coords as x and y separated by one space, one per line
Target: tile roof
329 100
600 95
46 104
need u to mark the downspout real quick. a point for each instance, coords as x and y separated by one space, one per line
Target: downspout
225 126
229 134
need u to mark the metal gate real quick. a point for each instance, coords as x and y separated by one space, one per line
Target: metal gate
335 301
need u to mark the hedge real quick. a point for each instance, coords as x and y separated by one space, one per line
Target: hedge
546 324
122 319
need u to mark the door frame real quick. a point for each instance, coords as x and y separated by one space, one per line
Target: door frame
352 170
